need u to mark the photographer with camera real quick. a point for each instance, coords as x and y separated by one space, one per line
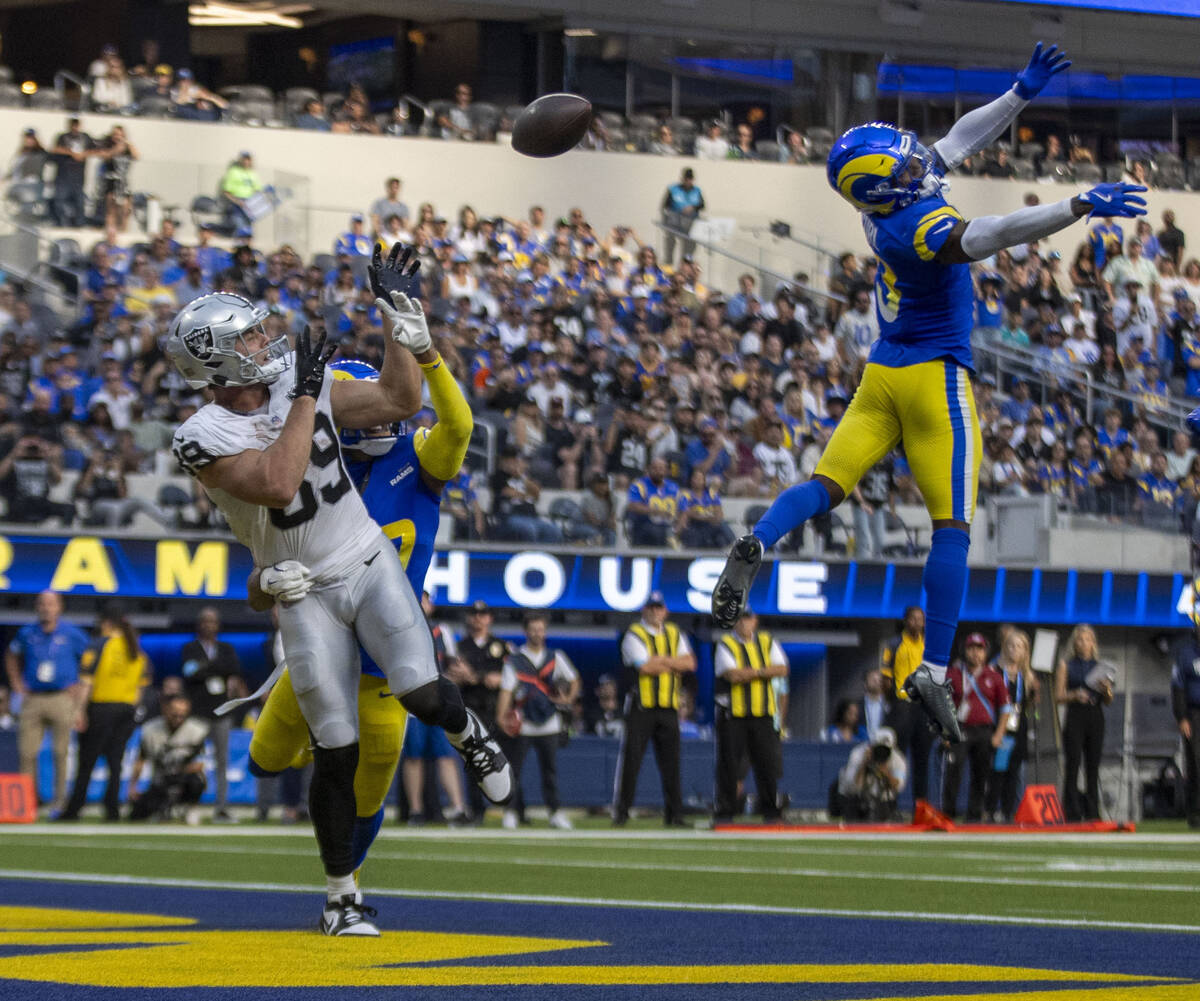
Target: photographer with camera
27 475
871 780
173 744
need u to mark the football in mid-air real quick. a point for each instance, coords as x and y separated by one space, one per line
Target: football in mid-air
552 125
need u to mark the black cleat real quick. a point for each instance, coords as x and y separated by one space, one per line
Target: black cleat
485 763
733 587
937 701
348 916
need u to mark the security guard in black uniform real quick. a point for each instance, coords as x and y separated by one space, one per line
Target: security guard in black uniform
1185 702
481 660
746 660
655 653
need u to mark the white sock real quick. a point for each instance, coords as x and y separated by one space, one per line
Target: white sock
937 672
337 887
457 738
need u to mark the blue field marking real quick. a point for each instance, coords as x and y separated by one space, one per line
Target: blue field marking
643 938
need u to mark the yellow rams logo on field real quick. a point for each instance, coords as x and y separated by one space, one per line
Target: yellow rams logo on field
102 949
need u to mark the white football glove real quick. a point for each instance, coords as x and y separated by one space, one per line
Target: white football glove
409 328
288 581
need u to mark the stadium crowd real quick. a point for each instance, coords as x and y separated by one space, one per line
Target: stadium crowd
610 372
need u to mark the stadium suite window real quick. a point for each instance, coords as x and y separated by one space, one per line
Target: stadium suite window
694 78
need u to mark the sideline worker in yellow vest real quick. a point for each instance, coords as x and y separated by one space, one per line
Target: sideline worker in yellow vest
113 674
901 657
746 661
655 653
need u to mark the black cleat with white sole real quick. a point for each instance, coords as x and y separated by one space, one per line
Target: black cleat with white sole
937 701
485 763
348 916
733 586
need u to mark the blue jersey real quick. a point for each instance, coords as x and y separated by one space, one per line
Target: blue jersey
49 662
925 308
407 510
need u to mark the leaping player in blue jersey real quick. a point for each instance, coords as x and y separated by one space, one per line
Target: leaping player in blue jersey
916 387
400 477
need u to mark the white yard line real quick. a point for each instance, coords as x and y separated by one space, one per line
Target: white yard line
624 865
523 898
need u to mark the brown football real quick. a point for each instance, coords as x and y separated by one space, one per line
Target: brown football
551 125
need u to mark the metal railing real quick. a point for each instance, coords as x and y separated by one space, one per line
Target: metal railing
1008 360
763 272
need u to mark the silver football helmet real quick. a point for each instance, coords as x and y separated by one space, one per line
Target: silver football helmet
207 343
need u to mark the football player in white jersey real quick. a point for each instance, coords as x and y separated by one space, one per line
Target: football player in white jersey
268 456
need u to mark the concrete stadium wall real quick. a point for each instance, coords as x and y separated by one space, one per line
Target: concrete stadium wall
334 175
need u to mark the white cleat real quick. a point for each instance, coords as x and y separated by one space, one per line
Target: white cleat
348 916
485 762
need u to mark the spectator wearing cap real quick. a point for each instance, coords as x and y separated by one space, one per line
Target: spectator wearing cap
870 783
599 511
981 694
238 185
1016 408
1133 266
681 206
604 711
458 283
312 117
1159 496
1134 317
514 503
712 145
710 451
192 100
652 507
460 501
477 672
70 151
746 662
354 242
242 276
656 655
701 520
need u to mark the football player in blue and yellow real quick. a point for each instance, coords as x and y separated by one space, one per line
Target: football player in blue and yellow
400 477
916 387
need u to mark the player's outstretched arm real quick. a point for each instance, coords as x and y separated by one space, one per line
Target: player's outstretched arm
442 451
981 127
272 477
982 237
396 396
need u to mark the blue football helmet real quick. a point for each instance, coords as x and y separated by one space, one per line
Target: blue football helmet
372 441
866 164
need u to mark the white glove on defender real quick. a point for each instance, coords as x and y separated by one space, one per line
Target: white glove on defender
287 581
409 328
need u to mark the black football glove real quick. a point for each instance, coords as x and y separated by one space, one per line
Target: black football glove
310 364
400 273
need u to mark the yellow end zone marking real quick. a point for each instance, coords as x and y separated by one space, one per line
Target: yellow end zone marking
29 918
223 958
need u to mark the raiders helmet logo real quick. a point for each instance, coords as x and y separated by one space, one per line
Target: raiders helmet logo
199 343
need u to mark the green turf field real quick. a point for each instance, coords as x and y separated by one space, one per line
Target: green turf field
1141 881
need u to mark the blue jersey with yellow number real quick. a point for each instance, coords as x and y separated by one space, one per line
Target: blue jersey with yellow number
405 508
925 309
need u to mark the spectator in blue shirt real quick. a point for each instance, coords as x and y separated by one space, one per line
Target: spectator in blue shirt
739 305
1084 472
701 516
1111 436
652 506
709 451
1017 408
1158 495
681 206
313 117
354 242
43 668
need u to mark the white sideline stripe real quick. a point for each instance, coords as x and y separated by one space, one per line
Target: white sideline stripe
719 870
1179 841
665 905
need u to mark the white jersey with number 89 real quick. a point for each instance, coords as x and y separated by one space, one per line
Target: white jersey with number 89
325 527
